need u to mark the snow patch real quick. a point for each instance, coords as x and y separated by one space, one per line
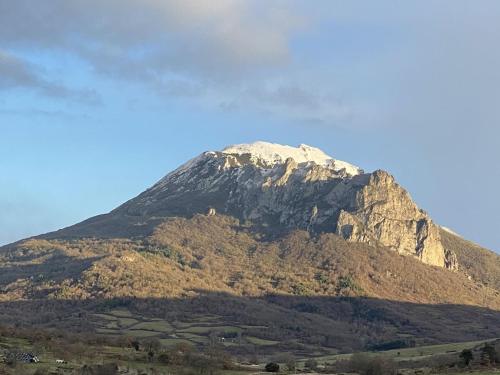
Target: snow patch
272 154
450 231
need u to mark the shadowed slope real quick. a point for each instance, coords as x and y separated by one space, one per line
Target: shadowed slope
303 325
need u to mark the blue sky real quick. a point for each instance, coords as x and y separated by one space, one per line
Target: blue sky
98 100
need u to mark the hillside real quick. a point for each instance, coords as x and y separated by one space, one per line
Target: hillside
309 256
331 293
481 264
216 253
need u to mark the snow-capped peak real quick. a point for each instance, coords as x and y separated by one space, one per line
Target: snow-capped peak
272 154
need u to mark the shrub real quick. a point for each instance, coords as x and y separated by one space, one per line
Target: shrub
322 278
290 363
489 355
163 358
135 344
272 367
300 289
346 285
466 356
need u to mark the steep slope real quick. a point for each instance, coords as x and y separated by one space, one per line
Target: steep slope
281 188
216 253
480 264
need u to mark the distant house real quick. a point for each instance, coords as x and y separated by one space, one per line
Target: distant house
21 357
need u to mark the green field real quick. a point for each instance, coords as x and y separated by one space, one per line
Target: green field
199 330
159 326
195 330
408 353
257 341
127 357
124 357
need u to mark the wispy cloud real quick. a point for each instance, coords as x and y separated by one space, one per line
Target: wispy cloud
331 62
16 73
227 51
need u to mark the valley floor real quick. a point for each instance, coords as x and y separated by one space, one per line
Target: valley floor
120 357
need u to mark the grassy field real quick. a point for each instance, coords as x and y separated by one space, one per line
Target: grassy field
129 358
258 341
124 357
406 354
195 331
198 331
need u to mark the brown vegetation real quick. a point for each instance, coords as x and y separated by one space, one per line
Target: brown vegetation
307 290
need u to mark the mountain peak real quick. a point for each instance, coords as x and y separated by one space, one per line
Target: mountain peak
279 188
272 153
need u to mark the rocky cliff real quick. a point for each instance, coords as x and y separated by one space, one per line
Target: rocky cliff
278 188
382 211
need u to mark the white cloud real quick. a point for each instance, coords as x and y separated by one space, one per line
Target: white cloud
200 49
183 35
17 73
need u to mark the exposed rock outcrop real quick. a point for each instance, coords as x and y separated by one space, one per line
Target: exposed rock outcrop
451 260
281 187
383 212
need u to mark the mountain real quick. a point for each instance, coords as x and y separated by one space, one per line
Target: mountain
281 188
286 245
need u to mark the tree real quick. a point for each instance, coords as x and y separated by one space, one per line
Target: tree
151 345
272 367
367 365
290 363
382 366
359 362
179 354
135 344
204 364
311 364
466 356
489 355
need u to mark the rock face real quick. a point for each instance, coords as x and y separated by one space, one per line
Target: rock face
383 212
279 188
451 260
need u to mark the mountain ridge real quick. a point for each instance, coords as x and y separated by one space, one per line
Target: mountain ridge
264 184
305 240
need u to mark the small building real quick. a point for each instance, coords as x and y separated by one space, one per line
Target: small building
22 357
